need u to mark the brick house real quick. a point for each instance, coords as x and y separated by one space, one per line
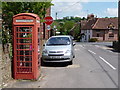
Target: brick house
44 33
104 29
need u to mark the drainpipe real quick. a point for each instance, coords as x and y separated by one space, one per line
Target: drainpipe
119 22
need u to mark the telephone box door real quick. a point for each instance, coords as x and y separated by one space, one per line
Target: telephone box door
24 51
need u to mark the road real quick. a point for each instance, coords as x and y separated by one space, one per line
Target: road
94 66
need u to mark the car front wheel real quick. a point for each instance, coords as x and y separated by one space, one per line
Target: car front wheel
70 63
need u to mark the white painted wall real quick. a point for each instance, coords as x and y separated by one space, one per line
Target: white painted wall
87 36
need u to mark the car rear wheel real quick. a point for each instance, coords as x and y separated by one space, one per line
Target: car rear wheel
42 62
73 56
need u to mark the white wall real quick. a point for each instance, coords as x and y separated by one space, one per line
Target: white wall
87 36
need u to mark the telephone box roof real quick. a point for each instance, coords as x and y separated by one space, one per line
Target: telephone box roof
29 14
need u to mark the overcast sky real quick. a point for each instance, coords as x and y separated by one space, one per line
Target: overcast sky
81 8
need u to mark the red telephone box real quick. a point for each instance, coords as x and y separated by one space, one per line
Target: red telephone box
26 46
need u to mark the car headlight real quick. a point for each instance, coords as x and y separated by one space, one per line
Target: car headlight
45 51
68 51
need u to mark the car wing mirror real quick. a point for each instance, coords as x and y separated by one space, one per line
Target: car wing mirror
74 43
43 44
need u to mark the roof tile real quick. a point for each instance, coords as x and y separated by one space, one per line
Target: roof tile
103 23
99 23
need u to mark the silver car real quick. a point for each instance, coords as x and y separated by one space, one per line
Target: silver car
58 49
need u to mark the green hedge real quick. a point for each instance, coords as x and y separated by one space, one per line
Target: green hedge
93 40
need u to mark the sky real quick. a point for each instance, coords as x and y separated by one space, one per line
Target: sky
79 8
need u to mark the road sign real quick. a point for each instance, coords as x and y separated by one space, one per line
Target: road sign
48 20
48 27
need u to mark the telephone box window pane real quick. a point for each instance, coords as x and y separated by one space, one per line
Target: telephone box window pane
24 58
24 47
23 70
38 40
28 64
24 40
21 52
17 29
25 64
28 53
28 58
24 29
39 60
24 35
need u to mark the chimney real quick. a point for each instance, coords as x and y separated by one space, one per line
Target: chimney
90 16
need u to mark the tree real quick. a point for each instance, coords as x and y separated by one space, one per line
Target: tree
83 18
106 17
61 27
71 18
77 19
12 8
77 31
68 26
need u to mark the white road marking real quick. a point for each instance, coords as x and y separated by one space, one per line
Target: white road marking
76 49
92 52
97 46
111 51
81 45
107 63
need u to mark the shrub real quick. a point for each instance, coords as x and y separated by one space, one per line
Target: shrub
93 40
78 39
116 46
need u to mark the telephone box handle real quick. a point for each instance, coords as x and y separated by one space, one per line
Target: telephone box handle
33 50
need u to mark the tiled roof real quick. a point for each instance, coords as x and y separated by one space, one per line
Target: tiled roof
103 23
83 22
100 23
89 24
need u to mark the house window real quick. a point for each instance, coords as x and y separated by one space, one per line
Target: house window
98 35
89 31
110 31
85 38
111 35
89 36
97 31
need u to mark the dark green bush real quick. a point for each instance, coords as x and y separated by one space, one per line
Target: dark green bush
93 40
116 46
78 39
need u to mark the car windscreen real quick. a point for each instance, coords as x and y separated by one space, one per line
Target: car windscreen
58 41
